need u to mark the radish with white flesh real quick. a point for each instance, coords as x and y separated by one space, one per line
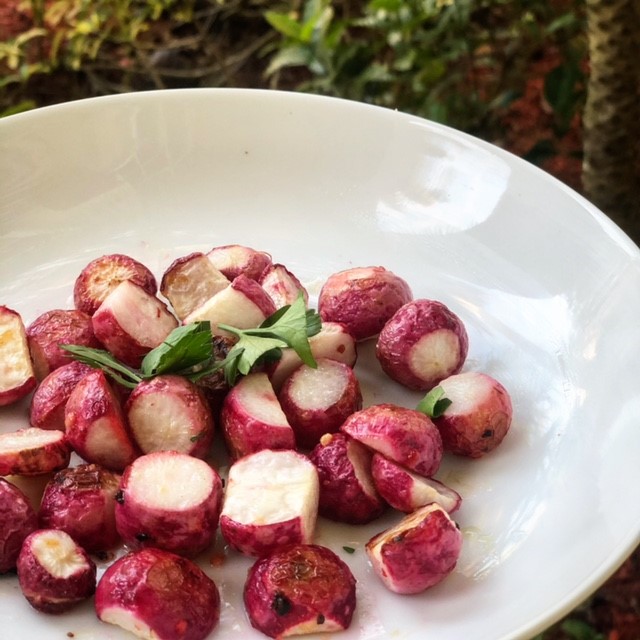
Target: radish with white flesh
170 413
31 486
157 595
479 416
423 343
171 501
333 341
17 375
403 435
54 572
251 418
102 275
190 281
243 304
95 425
17 520
53 328
407 491
362 298
298 590
33 452
81 501
50 398
234 260
271 501
282 286
318 400
347 492
418 552
130 322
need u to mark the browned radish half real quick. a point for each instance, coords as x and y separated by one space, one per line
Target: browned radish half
81 501
50 397
243 304
362 298
251 418
95 425
318 400
17 520
17 375
271 500
407 491
156 594
102 275
130 322
170 413
403 435
423 343
479 416
418 552
32 452
347 492
54 572
189 282
235 259
282 286
169 500
53 328
298 590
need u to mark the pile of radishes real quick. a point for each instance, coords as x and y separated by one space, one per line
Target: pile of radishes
133 467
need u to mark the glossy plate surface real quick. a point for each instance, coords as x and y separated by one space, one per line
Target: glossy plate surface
548 288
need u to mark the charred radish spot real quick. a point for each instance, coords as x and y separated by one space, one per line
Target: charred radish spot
398 538
142 537
281 604
320 619
119 497
487 433
197 437
70 634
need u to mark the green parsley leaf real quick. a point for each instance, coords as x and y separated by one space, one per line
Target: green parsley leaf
349 549
101 359
434 404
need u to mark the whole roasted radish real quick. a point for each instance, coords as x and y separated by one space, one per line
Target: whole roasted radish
17 520
17 375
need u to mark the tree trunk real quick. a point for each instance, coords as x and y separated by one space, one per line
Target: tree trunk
611 169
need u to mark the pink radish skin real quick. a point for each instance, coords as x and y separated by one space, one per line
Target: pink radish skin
271 501
407 491
95 425
169 412
17 375
423 343
298 590
417 553
130 322
347 492
33 452
53 328
50 398
234 260
252 419
318 400
189 282
362 298
54 572
405 436
102 275
152 593
282 286
17 520
81 501
171 501
479 416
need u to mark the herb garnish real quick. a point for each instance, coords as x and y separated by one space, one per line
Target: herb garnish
434 404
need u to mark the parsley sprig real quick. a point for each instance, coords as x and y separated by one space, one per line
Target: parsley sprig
434 404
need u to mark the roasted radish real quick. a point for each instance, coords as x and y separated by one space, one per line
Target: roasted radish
81 501
423 343
54 572
158 595
234 260
17 520
169 500
102 275
31 486
347 492
298 590
271 500
281 285
403 435
362 298
17 376
33 452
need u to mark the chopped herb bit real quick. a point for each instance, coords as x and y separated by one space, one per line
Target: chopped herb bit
434 404
349 549
119 497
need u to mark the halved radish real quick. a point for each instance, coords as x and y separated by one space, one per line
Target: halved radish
235 259
169 500
271 501
17 520
282 286
17 376
32 452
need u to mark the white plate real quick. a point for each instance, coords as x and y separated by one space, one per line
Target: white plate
549 290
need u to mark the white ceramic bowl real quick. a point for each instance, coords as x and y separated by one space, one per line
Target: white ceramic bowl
548 287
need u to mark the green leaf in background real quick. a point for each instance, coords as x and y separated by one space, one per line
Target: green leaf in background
284 24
